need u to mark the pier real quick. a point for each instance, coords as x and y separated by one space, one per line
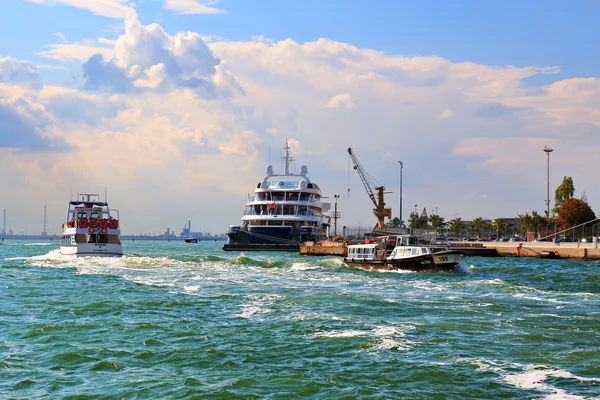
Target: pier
581 251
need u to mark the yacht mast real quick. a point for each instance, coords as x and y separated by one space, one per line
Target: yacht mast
288 159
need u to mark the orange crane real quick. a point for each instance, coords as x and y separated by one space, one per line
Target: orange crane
371 184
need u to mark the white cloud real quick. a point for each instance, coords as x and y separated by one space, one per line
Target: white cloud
446 113
192 7
61 36
107 8
17 71
341 101
158 132
75 51
146 57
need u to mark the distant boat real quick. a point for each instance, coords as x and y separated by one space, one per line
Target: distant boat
286 209
91 229
190 240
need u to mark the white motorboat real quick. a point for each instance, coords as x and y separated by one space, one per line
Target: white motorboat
91 229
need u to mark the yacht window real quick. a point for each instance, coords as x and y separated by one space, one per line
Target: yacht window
423 250
415 251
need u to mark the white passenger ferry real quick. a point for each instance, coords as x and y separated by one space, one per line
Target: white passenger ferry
91 228
286 209
401 252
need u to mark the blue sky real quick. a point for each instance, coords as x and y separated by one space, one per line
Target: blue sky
466 92
508 32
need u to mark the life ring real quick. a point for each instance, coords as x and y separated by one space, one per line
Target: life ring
113 224
93 223
83 223
103 223
103 230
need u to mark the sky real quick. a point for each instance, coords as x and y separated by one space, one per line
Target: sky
174 108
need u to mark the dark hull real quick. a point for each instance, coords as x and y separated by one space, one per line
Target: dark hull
263 238
423 263
261 247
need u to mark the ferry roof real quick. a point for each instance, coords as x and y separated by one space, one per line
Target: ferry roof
92 203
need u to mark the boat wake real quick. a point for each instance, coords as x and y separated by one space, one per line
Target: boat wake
463 269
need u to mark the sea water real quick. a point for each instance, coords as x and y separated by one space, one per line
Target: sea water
171 320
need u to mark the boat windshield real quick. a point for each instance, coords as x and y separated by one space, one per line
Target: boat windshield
438 249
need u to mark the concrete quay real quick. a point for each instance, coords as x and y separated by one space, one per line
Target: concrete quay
580 251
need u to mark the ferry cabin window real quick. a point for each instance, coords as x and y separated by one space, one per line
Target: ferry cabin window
415 251
423 250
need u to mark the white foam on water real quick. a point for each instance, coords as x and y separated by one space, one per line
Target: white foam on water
394 271
341 334
463 269
539 298
259 305
386 337
303 267
535 377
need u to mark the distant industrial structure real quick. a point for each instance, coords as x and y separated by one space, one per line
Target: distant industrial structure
186 232
44 233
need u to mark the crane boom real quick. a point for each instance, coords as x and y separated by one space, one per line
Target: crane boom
370 184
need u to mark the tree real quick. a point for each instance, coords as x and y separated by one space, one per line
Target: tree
524 221
575 212
530 223
414 220
537 221
499 224
564 192
477 226
437 222
456 226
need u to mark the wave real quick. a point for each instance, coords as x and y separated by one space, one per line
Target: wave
535 378
385 337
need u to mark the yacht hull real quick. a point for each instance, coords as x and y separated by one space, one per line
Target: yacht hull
262 238
92 250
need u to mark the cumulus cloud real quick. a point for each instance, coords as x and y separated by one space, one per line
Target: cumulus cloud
17 71
146 57
446 113
159 102
23 128
73 106
107 8
192 7
341 101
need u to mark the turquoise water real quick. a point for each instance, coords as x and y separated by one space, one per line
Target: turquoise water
189 321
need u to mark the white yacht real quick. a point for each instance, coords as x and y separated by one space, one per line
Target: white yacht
91 228
286 209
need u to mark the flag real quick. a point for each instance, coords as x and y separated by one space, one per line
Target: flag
271 205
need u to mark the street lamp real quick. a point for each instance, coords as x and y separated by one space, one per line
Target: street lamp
547 150
336 215
401 166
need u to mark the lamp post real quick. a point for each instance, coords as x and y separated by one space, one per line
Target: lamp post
401 166
336 215
547 150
